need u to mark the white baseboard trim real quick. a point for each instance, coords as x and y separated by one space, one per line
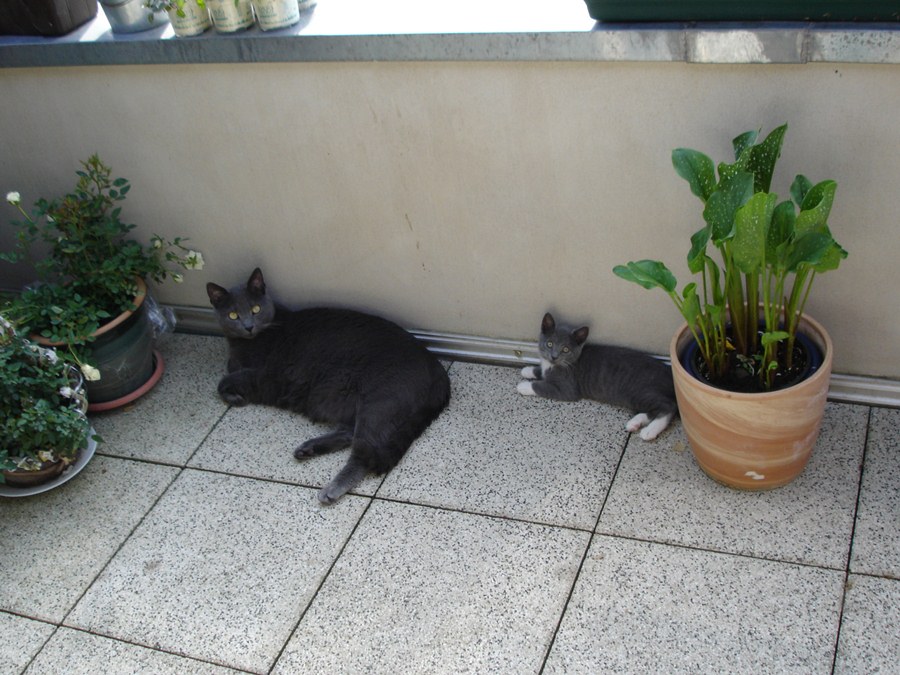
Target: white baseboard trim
857 389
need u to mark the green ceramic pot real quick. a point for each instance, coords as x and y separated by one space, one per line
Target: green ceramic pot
743 10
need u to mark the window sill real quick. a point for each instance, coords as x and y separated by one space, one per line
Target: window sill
408 30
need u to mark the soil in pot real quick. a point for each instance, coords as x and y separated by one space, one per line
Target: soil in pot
806 359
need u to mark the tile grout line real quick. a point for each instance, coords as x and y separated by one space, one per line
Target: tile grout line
318 588
125 540
846 586
587 548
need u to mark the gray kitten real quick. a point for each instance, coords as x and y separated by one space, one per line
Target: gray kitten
571 370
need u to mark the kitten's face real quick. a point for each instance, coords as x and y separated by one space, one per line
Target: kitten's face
244 311
560 346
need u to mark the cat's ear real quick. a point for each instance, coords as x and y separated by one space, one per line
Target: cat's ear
580 335
548 325
256 284
218 296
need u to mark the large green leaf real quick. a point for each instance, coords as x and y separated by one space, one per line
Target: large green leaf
831 259
742 142
816 207
780 231
799 188
697 254
690 308
697 169
809 249
748 247
731 194
647 273
763 158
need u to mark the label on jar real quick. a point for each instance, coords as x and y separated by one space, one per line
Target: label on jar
230 15
273 14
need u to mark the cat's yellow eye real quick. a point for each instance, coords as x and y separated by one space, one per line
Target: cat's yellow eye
233 316
255 309
566 350
549 343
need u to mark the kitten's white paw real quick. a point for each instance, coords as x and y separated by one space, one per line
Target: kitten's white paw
528 372
636 422
655 428
525 388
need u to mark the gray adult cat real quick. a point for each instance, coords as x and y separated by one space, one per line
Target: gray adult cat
374 380
571 370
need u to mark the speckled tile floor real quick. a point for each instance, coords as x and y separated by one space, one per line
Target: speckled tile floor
516 536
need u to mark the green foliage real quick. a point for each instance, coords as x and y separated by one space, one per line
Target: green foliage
42 404
91 266
768 255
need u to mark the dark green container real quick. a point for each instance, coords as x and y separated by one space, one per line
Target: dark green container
124 357
742 10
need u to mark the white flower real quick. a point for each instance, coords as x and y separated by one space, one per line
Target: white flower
157 242
177 278
50 355
193 260
67 392
90 373
13 198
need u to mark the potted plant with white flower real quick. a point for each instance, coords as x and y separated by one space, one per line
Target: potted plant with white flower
43 421
90 300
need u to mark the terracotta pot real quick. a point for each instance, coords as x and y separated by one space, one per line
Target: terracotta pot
753 441
23 478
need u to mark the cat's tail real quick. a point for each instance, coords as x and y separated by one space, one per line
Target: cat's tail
382 454
384 431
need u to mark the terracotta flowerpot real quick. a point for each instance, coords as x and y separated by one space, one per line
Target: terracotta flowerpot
22 478
753 441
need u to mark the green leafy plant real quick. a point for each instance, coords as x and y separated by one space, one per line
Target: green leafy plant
768 255
90 270
42 405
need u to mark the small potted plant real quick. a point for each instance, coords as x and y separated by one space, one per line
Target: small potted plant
747 351
90 297
43 422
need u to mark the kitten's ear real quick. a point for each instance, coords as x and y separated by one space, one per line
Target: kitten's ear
218 296
548 325
580 335
256 284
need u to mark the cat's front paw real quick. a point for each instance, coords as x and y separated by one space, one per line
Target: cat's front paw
328 495
233 398
637 422
531 372
525 388
231 394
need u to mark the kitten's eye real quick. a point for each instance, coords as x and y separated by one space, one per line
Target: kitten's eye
233 316
566 350
255 309
549 343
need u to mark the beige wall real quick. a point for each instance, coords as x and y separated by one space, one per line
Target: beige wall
467 197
